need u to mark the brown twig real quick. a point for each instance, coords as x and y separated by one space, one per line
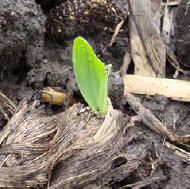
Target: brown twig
115 34
154 123
7 107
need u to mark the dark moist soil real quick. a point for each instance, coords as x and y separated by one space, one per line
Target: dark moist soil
32 57
182 33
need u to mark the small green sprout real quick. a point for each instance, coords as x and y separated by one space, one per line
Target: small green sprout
91 75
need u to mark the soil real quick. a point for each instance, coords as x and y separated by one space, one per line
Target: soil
32 58
182 33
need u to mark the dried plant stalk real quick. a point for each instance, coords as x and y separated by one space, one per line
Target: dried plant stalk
147 48
34 145
7 107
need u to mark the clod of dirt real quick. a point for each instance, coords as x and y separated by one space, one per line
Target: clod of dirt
21 35
182 32
116 88
72 18
55 69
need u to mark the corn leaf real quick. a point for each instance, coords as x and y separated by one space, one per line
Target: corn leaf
91 76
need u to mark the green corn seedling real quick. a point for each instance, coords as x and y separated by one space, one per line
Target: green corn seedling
91 75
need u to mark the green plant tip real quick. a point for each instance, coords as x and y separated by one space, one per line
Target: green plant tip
91 75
